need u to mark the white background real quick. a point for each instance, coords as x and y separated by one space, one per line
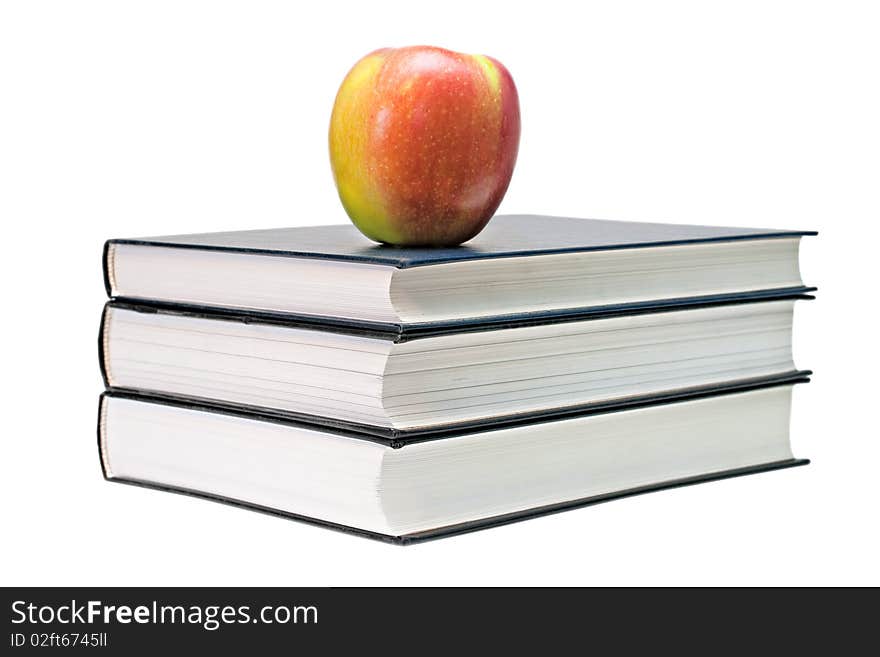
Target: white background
122 119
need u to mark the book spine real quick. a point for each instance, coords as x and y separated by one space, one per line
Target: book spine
102 450
103 340
106 267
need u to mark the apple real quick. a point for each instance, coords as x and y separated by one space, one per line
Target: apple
423 142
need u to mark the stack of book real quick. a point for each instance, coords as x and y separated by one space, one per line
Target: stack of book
407 394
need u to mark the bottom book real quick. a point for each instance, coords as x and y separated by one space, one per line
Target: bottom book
446 485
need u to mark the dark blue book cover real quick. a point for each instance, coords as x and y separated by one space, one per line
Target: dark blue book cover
505 236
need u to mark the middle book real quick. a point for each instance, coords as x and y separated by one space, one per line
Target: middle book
394 385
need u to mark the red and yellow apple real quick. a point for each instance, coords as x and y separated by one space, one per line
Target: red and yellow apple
423 142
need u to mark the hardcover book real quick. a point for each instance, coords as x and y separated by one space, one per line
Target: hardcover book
444 485
520 267
375 383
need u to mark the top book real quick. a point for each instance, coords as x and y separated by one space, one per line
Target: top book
520 267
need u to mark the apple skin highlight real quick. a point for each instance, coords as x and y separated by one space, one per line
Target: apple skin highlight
423 142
